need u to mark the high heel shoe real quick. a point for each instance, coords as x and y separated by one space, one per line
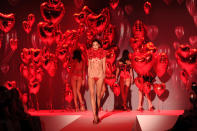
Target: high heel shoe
125 108
76 109
140 109
100 109
96 121
82 107
151 108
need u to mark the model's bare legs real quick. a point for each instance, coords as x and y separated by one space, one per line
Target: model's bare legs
140 100
91 83
99 86
102 93
127 86
74 86
79 83
122 90
149 102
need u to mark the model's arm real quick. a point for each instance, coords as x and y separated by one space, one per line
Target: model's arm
131 74
83 70
104 65
117 72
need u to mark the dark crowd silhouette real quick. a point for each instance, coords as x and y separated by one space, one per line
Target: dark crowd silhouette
13 116
188 121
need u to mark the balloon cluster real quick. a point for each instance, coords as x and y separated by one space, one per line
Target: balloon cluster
91 26
111 56
31 68
147 62
52 12
96 26
99 26
186 57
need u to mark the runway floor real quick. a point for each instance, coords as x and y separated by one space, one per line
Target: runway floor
61 120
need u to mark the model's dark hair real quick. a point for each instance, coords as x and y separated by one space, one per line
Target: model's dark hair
125 56
97 40
77 55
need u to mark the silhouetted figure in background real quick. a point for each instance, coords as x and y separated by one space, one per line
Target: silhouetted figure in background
124 70
12 114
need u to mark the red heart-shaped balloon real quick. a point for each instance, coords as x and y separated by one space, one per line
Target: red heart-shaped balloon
193 40
46 32
32 71
31 19
108 36
98 22
61 53
179 31
26 55
13 44
24 70
128 9
50 65
5 68
7 22
39 74
68 95
116 89
159 88
52 12
161 64
81 17
186 58
10 84
184 76
27 26
114 3
147 7
152 32
34 87
143 62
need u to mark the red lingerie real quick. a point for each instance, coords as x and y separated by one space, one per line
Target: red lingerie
124 70
95 63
